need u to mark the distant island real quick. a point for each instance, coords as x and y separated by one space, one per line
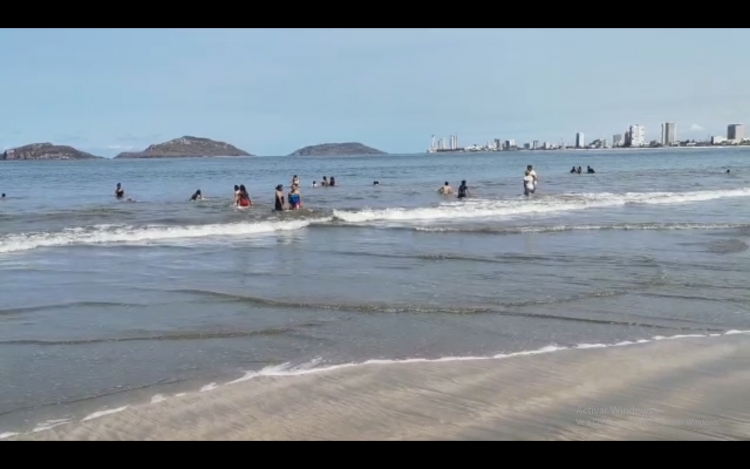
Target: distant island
337 149
46 151
187 147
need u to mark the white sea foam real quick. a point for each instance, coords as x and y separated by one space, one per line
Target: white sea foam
103 413
621 227
209 387
49 424
101 234
287 369
482 208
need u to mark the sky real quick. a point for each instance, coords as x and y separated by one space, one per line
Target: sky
272 91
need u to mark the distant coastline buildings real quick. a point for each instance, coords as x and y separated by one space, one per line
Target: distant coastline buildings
668 134
634 137
579 140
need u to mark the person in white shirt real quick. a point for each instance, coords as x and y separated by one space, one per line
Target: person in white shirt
532 173
528 184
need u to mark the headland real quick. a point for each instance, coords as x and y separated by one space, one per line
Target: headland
337 149
187 147
46 151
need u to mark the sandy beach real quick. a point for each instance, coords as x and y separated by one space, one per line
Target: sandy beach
685 389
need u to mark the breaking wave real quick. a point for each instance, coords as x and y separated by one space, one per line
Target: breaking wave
482 208
100 234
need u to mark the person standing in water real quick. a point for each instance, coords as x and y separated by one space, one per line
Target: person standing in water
332 183
463 190
243 199
295 199
325 181
446 189
278 203
197 196
119 191
532 173
528 184
295 180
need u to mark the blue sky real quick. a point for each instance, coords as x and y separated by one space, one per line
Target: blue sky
272 91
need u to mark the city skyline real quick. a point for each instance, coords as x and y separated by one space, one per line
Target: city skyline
634 136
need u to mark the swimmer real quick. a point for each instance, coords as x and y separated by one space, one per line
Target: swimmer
590 170
119 191
325 181
332 182
243 199
532 173
528 184
375 183
463 190
446 189
315 184
573 170
278 203
2 196
197 195
295 198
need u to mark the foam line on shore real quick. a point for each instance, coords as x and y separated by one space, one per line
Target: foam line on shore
313 367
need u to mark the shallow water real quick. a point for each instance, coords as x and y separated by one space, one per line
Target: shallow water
99 296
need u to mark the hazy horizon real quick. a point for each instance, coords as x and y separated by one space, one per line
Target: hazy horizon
271 92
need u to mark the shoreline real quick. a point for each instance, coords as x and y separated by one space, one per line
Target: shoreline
694 389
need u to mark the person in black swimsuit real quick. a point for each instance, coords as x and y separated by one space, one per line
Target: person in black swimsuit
463 190
119 191
278 204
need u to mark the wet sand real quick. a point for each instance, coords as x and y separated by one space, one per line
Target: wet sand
686 389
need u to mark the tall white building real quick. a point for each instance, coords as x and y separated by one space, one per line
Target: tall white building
579 140
668 134
736 132
617 140
636 136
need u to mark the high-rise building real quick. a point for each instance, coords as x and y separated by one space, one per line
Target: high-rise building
736 132
635 136
617 140
668 136
579 140
535 145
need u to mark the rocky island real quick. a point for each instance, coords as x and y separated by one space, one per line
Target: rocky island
337 149
187 147
46 151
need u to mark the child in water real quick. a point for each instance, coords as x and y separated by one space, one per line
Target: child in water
295 198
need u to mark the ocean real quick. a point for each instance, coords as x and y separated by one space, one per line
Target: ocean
105 303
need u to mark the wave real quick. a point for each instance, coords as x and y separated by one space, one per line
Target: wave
100 234
564 228
501 309
483 208
192 336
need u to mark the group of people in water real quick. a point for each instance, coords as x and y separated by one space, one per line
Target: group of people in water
589 170
293 199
